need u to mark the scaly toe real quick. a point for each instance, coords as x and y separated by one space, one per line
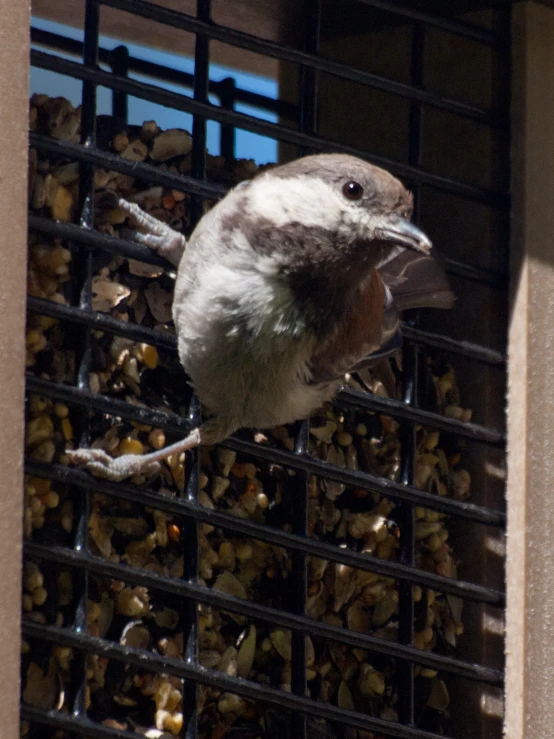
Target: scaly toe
102 465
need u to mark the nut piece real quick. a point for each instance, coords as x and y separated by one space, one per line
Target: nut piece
171 143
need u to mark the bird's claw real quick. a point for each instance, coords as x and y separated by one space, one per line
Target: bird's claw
115 469
159 236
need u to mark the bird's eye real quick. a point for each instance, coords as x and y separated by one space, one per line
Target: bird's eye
352 190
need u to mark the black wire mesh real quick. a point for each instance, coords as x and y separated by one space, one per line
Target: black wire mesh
85 242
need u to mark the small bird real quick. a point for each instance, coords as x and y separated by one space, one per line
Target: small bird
292 280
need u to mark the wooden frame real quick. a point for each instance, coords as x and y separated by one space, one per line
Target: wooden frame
530 571
14 63
530 574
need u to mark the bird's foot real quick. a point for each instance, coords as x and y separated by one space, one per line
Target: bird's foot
159 236
114 469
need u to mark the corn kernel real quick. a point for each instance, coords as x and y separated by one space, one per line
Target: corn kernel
131 446
52 499
67 429
39 596
149 355
39 430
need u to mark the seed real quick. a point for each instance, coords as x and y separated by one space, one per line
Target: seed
131 446
32 577
243 552
39 596
67 429
52 499
149 355
38 430
156 438
173 532
344 438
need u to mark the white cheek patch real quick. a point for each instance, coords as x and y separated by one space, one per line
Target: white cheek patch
307 199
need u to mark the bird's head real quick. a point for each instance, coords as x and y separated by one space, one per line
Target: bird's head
333 208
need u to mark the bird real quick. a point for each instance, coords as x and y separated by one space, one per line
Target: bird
293 279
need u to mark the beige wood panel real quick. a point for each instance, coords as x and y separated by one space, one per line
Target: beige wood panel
530 616
14 55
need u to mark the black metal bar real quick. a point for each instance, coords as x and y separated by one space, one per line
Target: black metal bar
307 122
176 424
298 493
265 128
83 273
186 184
312 547
193 591
252 690
410 385
119 62
450 25
453 346
397 409
189 526
189 541
282 52
141 171
227 89
105 322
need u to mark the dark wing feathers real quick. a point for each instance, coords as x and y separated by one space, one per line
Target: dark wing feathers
417 281
410 280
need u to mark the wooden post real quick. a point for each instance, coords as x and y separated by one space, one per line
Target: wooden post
14 66
530 574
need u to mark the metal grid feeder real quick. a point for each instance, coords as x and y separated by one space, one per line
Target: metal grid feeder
86 242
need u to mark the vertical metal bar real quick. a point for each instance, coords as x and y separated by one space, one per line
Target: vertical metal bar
299 589
410 381
308 77
189 540
307 123
227 91
83 267
201 91
190 527
119 63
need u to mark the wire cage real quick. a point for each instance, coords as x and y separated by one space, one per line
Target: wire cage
425 94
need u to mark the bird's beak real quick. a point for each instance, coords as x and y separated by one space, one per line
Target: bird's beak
401 231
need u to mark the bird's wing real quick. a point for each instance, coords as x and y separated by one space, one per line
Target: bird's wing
370 321
370 332
414 280
417 280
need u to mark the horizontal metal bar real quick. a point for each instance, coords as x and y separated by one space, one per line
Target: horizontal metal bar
187 670
161 72
287 53
140 170
144 254
451 25
245 527
453 346
494 278
265 128
253 610
102 322
97 240
70 722
173 422
398 409
105 322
